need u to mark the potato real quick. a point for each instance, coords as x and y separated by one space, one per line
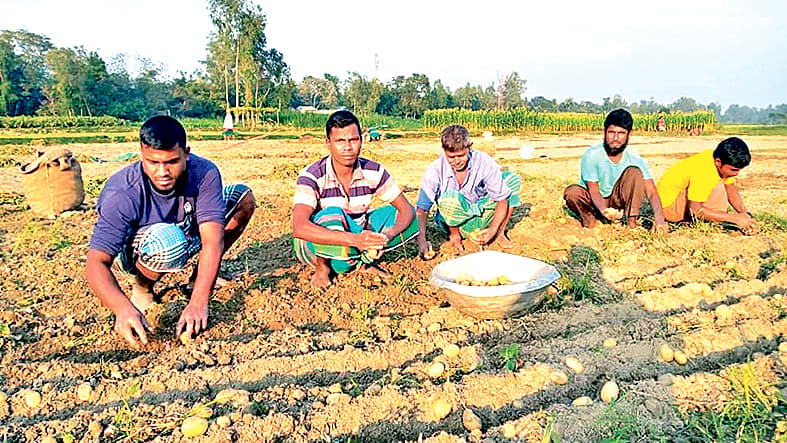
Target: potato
440 408
582 401
509 431
558 377
667 354
680 358
470 421
185 338
610 343
609 392
32 399
224 421
194 426
373 254
464 279
782 348
575 365
436 370
430 254
84 392
451 351
503 280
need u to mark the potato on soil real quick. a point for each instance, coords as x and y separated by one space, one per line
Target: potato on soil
451 351
575 365
667 354
436 370
680 358
194 426
558 377
470 421
32 399
440 408
582 401
609 392
610 343
84 392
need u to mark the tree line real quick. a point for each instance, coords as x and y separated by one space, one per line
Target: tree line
240 70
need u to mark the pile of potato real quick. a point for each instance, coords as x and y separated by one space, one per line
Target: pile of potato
468 280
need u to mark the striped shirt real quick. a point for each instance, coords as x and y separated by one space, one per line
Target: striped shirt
318 187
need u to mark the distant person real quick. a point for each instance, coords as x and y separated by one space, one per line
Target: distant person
703 185
661 126
613 180
154 215
228 132
474 198
333 227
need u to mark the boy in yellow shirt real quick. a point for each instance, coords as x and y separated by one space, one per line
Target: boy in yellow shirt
703 185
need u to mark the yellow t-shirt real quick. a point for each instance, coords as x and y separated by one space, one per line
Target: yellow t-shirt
697 173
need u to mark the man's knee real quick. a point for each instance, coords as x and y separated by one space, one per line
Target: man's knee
574 193
331 217
247 205
162 248
632 173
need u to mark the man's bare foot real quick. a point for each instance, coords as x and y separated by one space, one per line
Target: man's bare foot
322 275
141 297
456 242
503 240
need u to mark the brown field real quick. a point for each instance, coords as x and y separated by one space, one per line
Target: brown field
350 363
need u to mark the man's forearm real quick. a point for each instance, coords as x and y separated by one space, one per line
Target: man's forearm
501 210
103 283
423 219
207 270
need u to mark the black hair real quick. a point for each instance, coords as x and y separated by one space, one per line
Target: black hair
341 119
734 152
619 117
162 132
455 138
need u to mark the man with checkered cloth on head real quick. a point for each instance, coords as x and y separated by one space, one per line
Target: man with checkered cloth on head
154 215
474 197
333 227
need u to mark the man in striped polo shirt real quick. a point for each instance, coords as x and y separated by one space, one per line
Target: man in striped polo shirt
333 228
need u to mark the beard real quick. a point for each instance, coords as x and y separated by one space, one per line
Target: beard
615 151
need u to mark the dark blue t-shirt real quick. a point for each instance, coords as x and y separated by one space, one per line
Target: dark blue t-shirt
129 202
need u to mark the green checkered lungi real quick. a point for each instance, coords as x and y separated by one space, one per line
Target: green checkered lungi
343 259
453 209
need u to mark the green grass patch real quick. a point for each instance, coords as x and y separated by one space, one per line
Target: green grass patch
749 416
750 129
770 222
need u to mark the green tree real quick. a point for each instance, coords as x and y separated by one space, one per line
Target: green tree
441 97
317 92
511 91
23 72
362 94
412 95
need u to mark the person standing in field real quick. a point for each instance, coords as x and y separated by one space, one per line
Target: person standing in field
474 198
228 131
614 181
703 185
154 215
333 228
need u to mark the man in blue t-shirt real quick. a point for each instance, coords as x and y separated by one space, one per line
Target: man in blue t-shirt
154 215
613 181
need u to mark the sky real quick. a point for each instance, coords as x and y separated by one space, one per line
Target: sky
711 50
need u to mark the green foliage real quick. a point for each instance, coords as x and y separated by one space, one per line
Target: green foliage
524 120
48 122
771 222
509 356
749 416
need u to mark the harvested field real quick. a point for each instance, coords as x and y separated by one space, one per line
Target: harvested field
285 362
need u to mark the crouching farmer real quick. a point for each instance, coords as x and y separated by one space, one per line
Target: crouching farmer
154 215
703 186
474 198
333 228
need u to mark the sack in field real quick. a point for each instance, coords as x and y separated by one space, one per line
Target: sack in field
52 183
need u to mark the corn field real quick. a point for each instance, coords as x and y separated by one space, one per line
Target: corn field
523 120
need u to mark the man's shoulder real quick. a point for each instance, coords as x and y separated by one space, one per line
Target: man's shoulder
315 169
128 177
200 165
369 165
594 152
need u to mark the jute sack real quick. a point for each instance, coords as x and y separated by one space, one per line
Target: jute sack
53 182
